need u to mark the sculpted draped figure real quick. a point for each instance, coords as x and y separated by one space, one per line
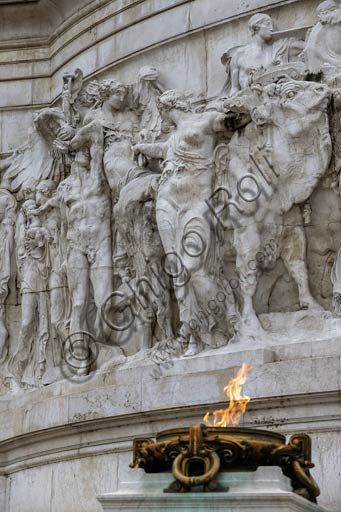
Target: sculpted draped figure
136 245
260 53
120 128
7 222
323 46
124 122
32 247
50 214
103 145
40 254
186 229
129 198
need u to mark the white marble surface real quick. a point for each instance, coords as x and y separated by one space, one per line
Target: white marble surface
64 443
70 428
266 489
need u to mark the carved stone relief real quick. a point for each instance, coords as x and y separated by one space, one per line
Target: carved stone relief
7 227
134 211
323 45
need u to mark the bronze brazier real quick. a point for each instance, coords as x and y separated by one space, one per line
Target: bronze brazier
196 454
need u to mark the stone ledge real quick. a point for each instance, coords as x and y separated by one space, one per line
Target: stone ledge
286 502
131 388
115 434
66 421
267 488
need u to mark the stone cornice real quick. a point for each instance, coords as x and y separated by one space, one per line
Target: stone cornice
105 22
308 412
7 2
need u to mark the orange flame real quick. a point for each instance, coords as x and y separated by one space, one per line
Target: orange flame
238 403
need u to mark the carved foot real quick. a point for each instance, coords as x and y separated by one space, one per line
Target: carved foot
309 303
251 327
193 348
82 372
181 343
218 339
13 385
83 369
113 362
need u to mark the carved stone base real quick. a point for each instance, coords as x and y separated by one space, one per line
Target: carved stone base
84 429
266 489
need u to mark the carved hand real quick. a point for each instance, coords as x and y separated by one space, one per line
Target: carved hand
36 212
66 132
63 146
30 245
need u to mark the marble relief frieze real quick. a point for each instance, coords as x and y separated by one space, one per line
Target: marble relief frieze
137 220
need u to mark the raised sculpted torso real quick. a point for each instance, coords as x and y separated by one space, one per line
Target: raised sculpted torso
139 172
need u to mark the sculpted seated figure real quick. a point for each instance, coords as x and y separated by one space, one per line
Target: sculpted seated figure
186 229
260 53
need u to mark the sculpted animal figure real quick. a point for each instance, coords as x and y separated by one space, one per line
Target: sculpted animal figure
275 162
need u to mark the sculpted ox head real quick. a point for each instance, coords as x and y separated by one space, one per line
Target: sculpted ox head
293 106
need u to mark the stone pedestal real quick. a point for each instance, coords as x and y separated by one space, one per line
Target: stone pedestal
266 489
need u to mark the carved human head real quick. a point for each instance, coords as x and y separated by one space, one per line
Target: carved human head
27 192
28 205
147 73
324 9
262 25
114 93
296 106
45 189
89 94
174 99
48 122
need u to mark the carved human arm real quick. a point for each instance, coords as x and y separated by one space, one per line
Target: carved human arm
234 74
154 150
53 202
63 146
66 132
19 243
230 122
332 17
4 164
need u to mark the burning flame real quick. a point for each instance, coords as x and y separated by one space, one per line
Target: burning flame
238 403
